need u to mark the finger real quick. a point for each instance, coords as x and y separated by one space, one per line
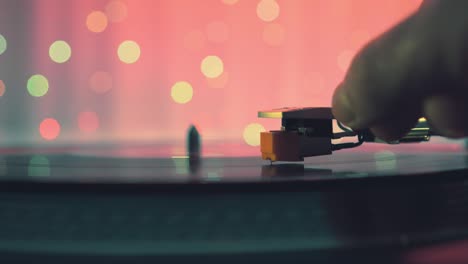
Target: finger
394 128
447 115
389 72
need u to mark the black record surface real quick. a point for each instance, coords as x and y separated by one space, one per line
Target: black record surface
371 206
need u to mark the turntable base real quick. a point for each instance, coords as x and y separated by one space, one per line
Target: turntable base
370 206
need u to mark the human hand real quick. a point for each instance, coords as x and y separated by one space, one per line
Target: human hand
418 68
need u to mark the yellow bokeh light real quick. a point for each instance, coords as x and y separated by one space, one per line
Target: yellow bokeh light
96 21
182 92
273 34
2 88
252 134
129 51
116 11
212 66
3 44
268 10
60 51
230 2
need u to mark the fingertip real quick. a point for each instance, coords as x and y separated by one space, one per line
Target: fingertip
447 115
341 107
396 126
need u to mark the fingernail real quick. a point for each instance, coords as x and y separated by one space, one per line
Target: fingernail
342 108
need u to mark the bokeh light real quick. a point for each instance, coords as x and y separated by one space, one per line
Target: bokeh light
385 160
212 66
116 11
49 129
2 88
194 40
344 59
60 51
39 166
96 21
268 10
230 2
129 51
182 92
218 82
38 85
3 44
181 164
273 34
217 31
252 134
101 82
88 121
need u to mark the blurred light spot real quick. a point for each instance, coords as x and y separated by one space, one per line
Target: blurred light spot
230 2
252 134
218 82
212 66
273 34
129 51
217 31
116 11
49 129
3 44
38 85
268 10
358 38
385 160
182 92
181 164
214 175
2 88
96 21
88 121
344 59
39 166
100 82
60 51
194 40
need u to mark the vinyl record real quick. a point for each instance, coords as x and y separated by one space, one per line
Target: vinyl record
141 205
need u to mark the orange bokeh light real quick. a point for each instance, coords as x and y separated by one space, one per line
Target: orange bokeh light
116 11
88 121
100 82
49 129
96 21
2 88
273 34
217 31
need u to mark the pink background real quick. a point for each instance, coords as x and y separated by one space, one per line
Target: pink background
295 60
